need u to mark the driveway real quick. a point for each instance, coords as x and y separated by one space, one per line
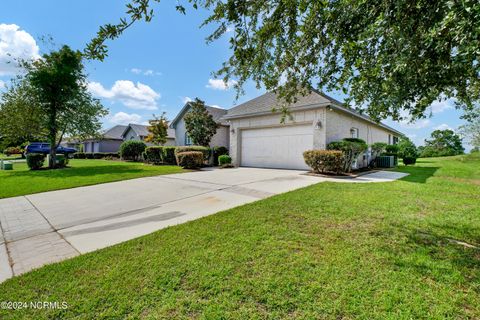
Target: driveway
52 226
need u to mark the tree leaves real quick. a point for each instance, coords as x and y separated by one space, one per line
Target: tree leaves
388 56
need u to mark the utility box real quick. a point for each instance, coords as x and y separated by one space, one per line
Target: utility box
6 165
385 161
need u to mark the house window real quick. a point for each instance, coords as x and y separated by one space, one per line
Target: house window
395 140
389 139
188 141
354 133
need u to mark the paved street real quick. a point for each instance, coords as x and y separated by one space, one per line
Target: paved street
52 226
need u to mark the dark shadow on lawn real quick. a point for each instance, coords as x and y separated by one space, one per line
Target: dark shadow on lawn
464 254
447 250
417 174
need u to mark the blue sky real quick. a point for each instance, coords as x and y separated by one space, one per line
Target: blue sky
154 66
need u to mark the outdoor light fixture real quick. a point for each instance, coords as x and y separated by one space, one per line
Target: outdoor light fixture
318 125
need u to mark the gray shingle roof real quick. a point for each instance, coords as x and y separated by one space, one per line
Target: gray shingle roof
142 130
269 100
266 102
217 113
115 132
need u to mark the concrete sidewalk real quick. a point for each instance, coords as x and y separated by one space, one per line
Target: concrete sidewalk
49 227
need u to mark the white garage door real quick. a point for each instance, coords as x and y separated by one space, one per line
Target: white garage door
279 147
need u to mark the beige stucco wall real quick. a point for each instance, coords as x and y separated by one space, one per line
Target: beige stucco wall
338 125
219 139
274 120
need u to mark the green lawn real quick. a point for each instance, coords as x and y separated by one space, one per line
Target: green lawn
22 181
333 250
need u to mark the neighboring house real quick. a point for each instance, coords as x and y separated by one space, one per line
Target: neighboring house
220 139
140 132
258 139
109 141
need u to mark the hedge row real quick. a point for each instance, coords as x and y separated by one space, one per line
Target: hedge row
159 154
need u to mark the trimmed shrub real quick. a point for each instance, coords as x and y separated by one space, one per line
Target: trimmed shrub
62 160
325 160
79 155
190 159
35 160
168 155
409 160
204 150
153 155
217 152
132 150
224 160
407 151
12 150
351 148
377 149
89 155
391 149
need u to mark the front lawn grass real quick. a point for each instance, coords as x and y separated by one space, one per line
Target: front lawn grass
22 181
400 250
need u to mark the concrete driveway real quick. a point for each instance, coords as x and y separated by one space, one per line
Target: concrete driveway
52 226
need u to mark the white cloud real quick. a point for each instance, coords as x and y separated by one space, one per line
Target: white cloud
419 124
148 72
186 99
139 96
15 44
124 118
216 106
2 84
443 126
136 71
219 84
440 106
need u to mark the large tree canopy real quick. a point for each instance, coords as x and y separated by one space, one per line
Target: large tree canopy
442 143
387 55
20 119
59 92
471 131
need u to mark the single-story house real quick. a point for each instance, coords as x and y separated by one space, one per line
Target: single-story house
259 139
221 137
109 141
140 132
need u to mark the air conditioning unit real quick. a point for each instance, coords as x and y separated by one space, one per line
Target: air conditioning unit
385 161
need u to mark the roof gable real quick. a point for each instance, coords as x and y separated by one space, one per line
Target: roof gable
115 132
216 113
142 130
265 103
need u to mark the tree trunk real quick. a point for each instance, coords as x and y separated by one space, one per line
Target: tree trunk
53 153
53 138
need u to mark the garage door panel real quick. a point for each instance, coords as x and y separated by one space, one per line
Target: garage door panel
280 147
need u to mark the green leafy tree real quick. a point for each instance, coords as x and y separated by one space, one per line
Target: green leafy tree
157 130
471 131
443 143
20 116
387 55
407 151
199 123
59 89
